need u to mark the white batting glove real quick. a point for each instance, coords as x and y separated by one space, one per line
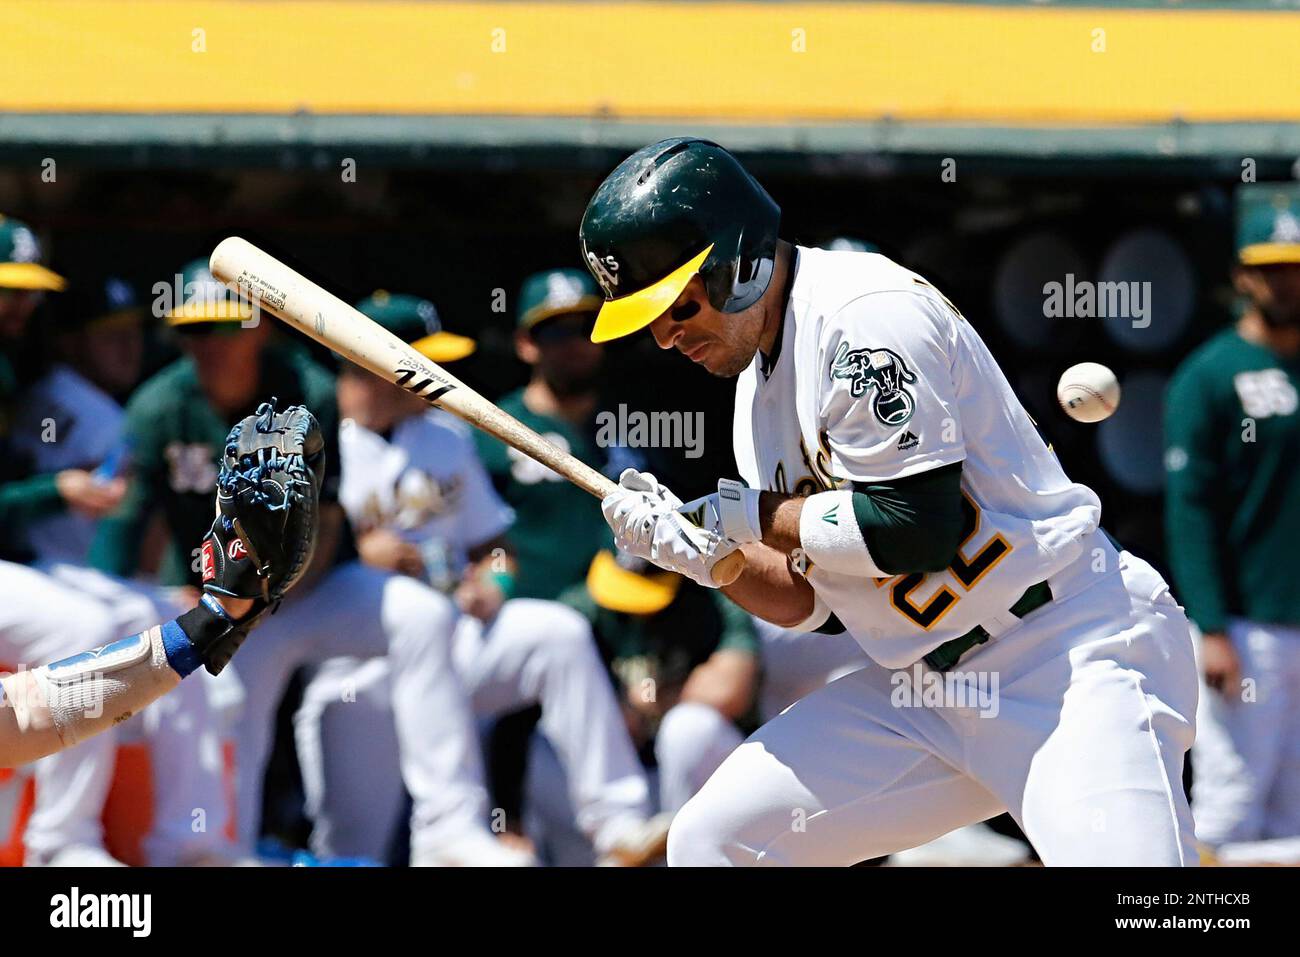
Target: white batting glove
644 518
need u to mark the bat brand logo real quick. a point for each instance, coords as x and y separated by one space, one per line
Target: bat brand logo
417 382
236 549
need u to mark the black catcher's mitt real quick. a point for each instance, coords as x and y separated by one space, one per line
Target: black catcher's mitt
265 530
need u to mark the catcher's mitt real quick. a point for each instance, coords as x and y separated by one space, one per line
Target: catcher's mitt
265 530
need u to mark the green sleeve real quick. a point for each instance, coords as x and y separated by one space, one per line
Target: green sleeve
1193 497
912 524
28 499
738 632
116 547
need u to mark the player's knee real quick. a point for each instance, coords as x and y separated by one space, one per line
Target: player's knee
688 731
411 607
560 633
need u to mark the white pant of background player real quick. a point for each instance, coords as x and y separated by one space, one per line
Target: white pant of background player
533 652
62 609
1246 763
1096 703
693 739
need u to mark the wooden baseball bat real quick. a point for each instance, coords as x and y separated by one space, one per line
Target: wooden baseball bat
292 297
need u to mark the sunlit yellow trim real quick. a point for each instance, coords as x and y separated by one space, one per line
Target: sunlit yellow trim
618 589
1269 254
219 310
625 315
445 346
30 276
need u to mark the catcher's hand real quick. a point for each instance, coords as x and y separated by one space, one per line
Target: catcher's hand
265 530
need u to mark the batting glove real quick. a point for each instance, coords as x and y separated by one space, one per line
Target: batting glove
644 518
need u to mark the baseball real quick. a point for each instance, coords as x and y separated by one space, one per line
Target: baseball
1088 392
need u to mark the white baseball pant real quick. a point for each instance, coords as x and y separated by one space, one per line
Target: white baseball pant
1083 742
532 652
41 621
1246 763
360 611
183 729
797 663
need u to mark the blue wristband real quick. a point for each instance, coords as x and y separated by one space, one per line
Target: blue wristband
182 655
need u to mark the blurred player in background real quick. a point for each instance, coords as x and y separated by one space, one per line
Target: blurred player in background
99 345
42 620
686 661
556 534
176 424
1232 434
423 506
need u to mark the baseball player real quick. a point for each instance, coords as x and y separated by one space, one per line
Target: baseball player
685 659
176 424
896 490
1232 433
42 620
422 505
100 342
555 534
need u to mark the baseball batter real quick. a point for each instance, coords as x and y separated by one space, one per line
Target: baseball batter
897 490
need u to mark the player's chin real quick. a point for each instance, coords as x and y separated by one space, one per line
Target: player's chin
724 366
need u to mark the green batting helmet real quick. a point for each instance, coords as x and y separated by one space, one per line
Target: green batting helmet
672 210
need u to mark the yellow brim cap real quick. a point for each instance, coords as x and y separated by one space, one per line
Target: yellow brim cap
221 311
30 276
585 304
445 346
627 314
618 589
1269 254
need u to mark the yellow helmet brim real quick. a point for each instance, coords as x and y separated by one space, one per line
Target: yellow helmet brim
628 314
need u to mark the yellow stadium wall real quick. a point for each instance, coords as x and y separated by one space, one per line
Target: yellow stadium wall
714 61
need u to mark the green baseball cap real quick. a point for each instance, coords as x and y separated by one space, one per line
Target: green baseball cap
1268 223
20 259
416 321
205 298
557 292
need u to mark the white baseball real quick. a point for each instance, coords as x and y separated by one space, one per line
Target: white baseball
1088 392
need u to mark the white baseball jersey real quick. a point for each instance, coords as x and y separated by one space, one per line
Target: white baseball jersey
68 423
878 377
424 482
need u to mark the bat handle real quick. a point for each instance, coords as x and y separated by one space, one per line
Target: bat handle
728 569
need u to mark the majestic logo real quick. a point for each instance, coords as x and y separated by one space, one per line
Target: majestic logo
832 515
236 549
883 371
908 440
605 269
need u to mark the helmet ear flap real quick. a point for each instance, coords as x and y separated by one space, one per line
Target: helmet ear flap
737 280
